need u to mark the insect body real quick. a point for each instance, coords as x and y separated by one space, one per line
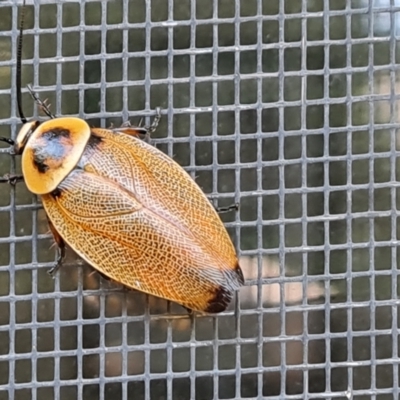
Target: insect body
130 211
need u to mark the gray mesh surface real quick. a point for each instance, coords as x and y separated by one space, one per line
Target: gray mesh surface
288 107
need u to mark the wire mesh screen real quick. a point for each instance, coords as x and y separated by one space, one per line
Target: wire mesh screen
290 109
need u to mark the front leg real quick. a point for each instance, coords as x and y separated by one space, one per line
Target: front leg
11 179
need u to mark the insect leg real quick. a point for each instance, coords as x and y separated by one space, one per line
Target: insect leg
61 249
153 126
135 131
7 140
220 210
139 131
190 312
232 207
11 179
43 104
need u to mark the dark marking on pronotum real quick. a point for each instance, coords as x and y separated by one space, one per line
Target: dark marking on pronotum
56 133
40 165
51 148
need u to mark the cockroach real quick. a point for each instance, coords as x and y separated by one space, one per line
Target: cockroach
126 208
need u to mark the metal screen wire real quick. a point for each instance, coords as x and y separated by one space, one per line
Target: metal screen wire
289 108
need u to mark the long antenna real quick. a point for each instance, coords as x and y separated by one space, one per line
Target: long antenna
19 61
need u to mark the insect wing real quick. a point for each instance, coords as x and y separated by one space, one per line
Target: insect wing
126 220
162 186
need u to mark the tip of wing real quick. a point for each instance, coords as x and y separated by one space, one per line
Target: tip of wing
223 294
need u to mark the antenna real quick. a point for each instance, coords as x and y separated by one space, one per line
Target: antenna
19 59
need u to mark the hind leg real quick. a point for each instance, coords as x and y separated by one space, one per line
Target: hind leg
61 249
